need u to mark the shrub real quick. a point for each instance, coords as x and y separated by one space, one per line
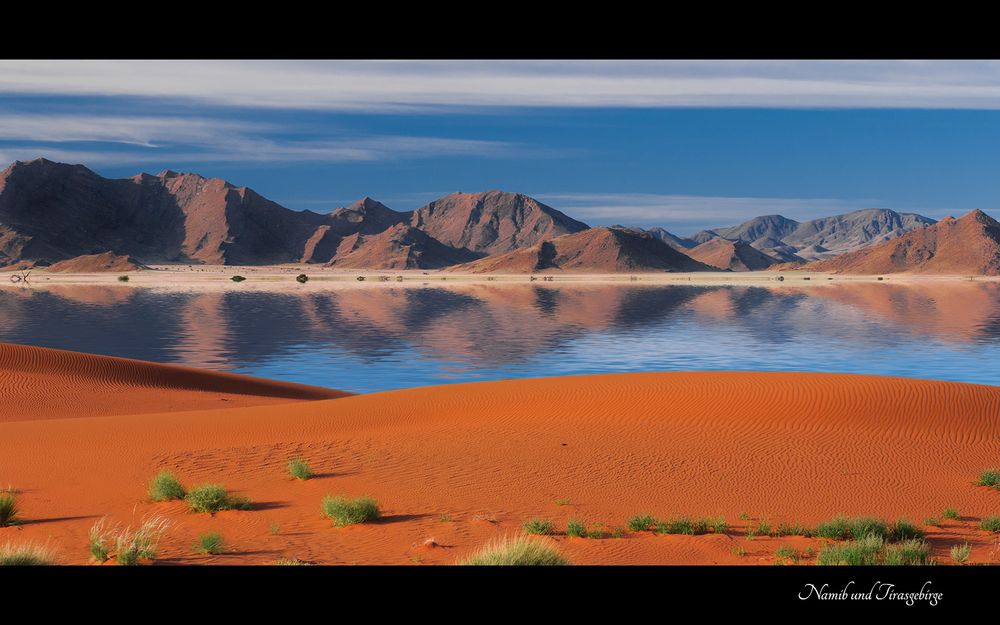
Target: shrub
302 278
539 526
961 553
290 562
786 553
209 544
518 551
911 552
25 555
213 498
989 477
142 543
792 529
165 486
932 522
641 523
597 531
904 530
841 528
99 541
950 513
123 278
237 278
343 511
678 525
990 524
862 552
576 528
299 469
273 529
8 510
873 550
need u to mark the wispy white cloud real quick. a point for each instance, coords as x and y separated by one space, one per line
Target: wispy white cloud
685 214
140 130
407 85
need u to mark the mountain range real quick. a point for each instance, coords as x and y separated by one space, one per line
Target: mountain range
71 218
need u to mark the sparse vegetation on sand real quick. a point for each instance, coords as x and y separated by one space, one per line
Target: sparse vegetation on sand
302 278
842 528
343 511
100 541
786 553
539 526
299 469
131 546
576 528
641 523
950 513
290 562
792 529
989 477
165 486
25 555
237 278
517 551
214 498
8 509
874 550
990 524
961 553
685 525
209 544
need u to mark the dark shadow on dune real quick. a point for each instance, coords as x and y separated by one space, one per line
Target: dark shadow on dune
256 506
56 519
398 518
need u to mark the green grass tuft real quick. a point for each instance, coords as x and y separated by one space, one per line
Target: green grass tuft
842 528
903 530
873 550
786 553
299 469
214 498
950 513
25 555
576 528
792 529
290 562
641 523
518 551
209 544
302 278
961 553
990 524
131 546
989 477
343 511
539 526
8 510
165 486
99 541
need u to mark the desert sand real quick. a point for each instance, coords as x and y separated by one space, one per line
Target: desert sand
462 464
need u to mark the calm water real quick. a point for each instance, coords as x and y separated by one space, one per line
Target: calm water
381 337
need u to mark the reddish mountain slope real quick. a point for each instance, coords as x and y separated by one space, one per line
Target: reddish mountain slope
966 246
493 222
94 263
596 250
732 255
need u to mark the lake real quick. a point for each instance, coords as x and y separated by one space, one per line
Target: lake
379 337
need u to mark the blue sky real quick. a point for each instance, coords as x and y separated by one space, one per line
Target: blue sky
683 145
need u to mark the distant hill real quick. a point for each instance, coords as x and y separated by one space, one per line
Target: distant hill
596 250
96 263
790 240
399 247
493 222
731 255
966 246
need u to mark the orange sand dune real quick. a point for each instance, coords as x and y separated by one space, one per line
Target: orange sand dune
463 463
39 383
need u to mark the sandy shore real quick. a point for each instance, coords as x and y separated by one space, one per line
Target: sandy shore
215 277
461 464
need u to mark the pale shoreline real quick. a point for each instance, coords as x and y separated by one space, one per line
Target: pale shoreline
271 276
